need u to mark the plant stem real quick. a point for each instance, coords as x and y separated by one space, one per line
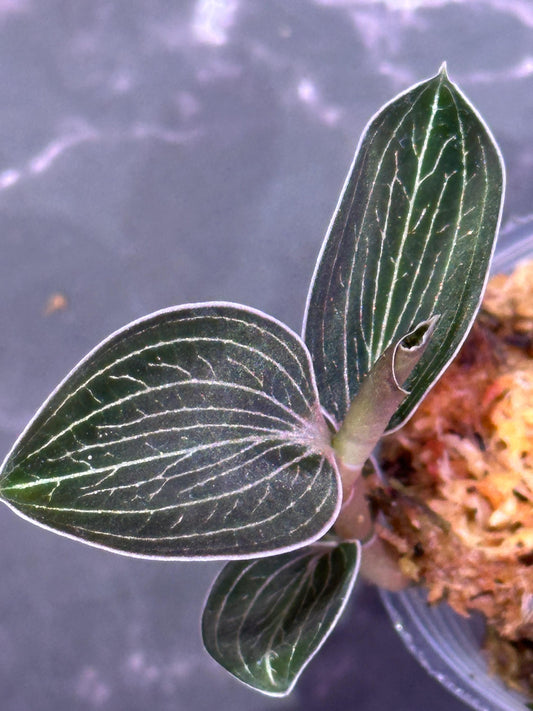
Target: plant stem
379 562
354 520
380 394
379 565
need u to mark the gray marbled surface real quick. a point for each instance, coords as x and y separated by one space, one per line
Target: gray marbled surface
154 153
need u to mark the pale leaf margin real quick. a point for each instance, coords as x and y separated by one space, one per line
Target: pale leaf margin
316 550
328 455
394 425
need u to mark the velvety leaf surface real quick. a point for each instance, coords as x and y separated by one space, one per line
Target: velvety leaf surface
195 432
265 619
412 237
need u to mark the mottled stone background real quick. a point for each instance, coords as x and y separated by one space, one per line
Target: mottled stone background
154 153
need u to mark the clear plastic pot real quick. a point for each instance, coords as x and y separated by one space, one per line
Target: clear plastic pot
447 645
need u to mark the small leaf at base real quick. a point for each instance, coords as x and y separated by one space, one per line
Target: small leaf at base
265 619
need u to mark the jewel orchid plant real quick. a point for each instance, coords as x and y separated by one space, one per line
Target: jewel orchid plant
212 431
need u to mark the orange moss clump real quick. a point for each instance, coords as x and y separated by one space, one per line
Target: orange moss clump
460 502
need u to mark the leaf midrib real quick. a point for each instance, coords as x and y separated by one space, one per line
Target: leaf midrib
407 226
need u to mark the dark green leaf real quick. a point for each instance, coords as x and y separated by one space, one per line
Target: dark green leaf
195 432
265 619
412 237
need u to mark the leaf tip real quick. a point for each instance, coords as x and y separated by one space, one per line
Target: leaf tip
443 71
